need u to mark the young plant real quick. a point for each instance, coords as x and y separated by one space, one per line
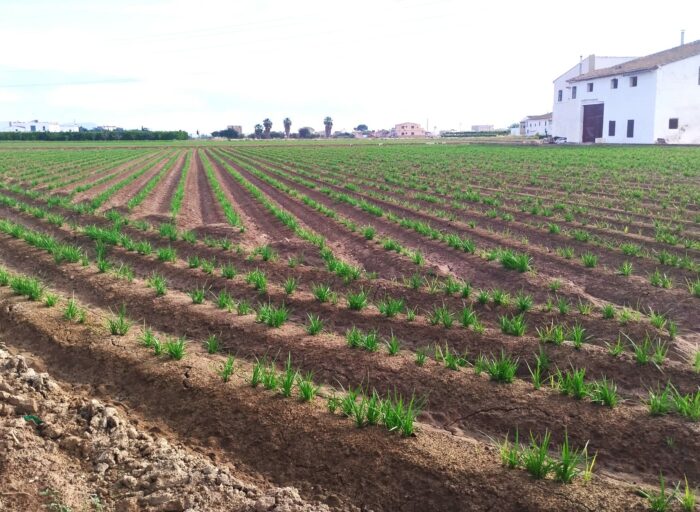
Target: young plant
467 317
288 378
212 344
50 300
72 310
197 295
193 261
390 307
688 498
257 279
603 392
315 324
660 401
272 316
577 334
535 457
175 348
660 280
500 297
589 260
147 338
608 311
552 333
224 300
567 468
166 254
322 292
502 369
625 269
393 345
399 414
523 302
226 369
514 325
119 325
660 500
307 388
290 285
420 356
228 271
158 283
368 232
357 301
510 452
616 349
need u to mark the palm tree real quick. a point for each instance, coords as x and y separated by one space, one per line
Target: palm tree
287 126
268 126
258 131
328 123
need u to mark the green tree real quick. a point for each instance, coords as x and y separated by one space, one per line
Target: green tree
287 126
268 126
328 123
258 131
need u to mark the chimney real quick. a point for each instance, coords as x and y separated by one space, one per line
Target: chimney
580 65
591 63
682 37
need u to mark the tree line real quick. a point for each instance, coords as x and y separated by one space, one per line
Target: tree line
95 135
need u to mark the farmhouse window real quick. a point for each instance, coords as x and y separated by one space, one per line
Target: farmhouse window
573 92
611 128
630 128
559 95
633 81
590 86
673 123
613 83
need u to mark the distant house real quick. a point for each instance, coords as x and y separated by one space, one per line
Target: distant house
642 100
482 128
237 127
407 131
536 125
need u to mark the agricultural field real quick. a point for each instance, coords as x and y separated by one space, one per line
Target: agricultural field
349 327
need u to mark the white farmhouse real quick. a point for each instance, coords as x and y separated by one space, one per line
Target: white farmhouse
642 100
536 125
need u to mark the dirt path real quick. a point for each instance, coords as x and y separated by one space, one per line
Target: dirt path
156 209
199 206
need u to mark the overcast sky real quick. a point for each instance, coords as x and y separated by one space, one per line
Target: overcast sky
200 65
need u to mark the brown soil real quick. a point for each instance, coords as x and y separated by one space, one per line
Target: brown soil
432 471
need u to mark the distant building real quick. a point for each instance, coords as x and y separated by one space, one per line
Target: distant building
642 100
407 131
236 127
38 126
482 128
536 125
108 128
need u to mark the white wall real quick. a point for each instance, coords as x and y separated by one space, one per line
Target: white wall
567 120
538 127
679 97
624 103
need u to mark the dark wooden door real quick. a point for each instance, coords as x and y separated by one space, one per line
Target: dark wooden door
592 122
